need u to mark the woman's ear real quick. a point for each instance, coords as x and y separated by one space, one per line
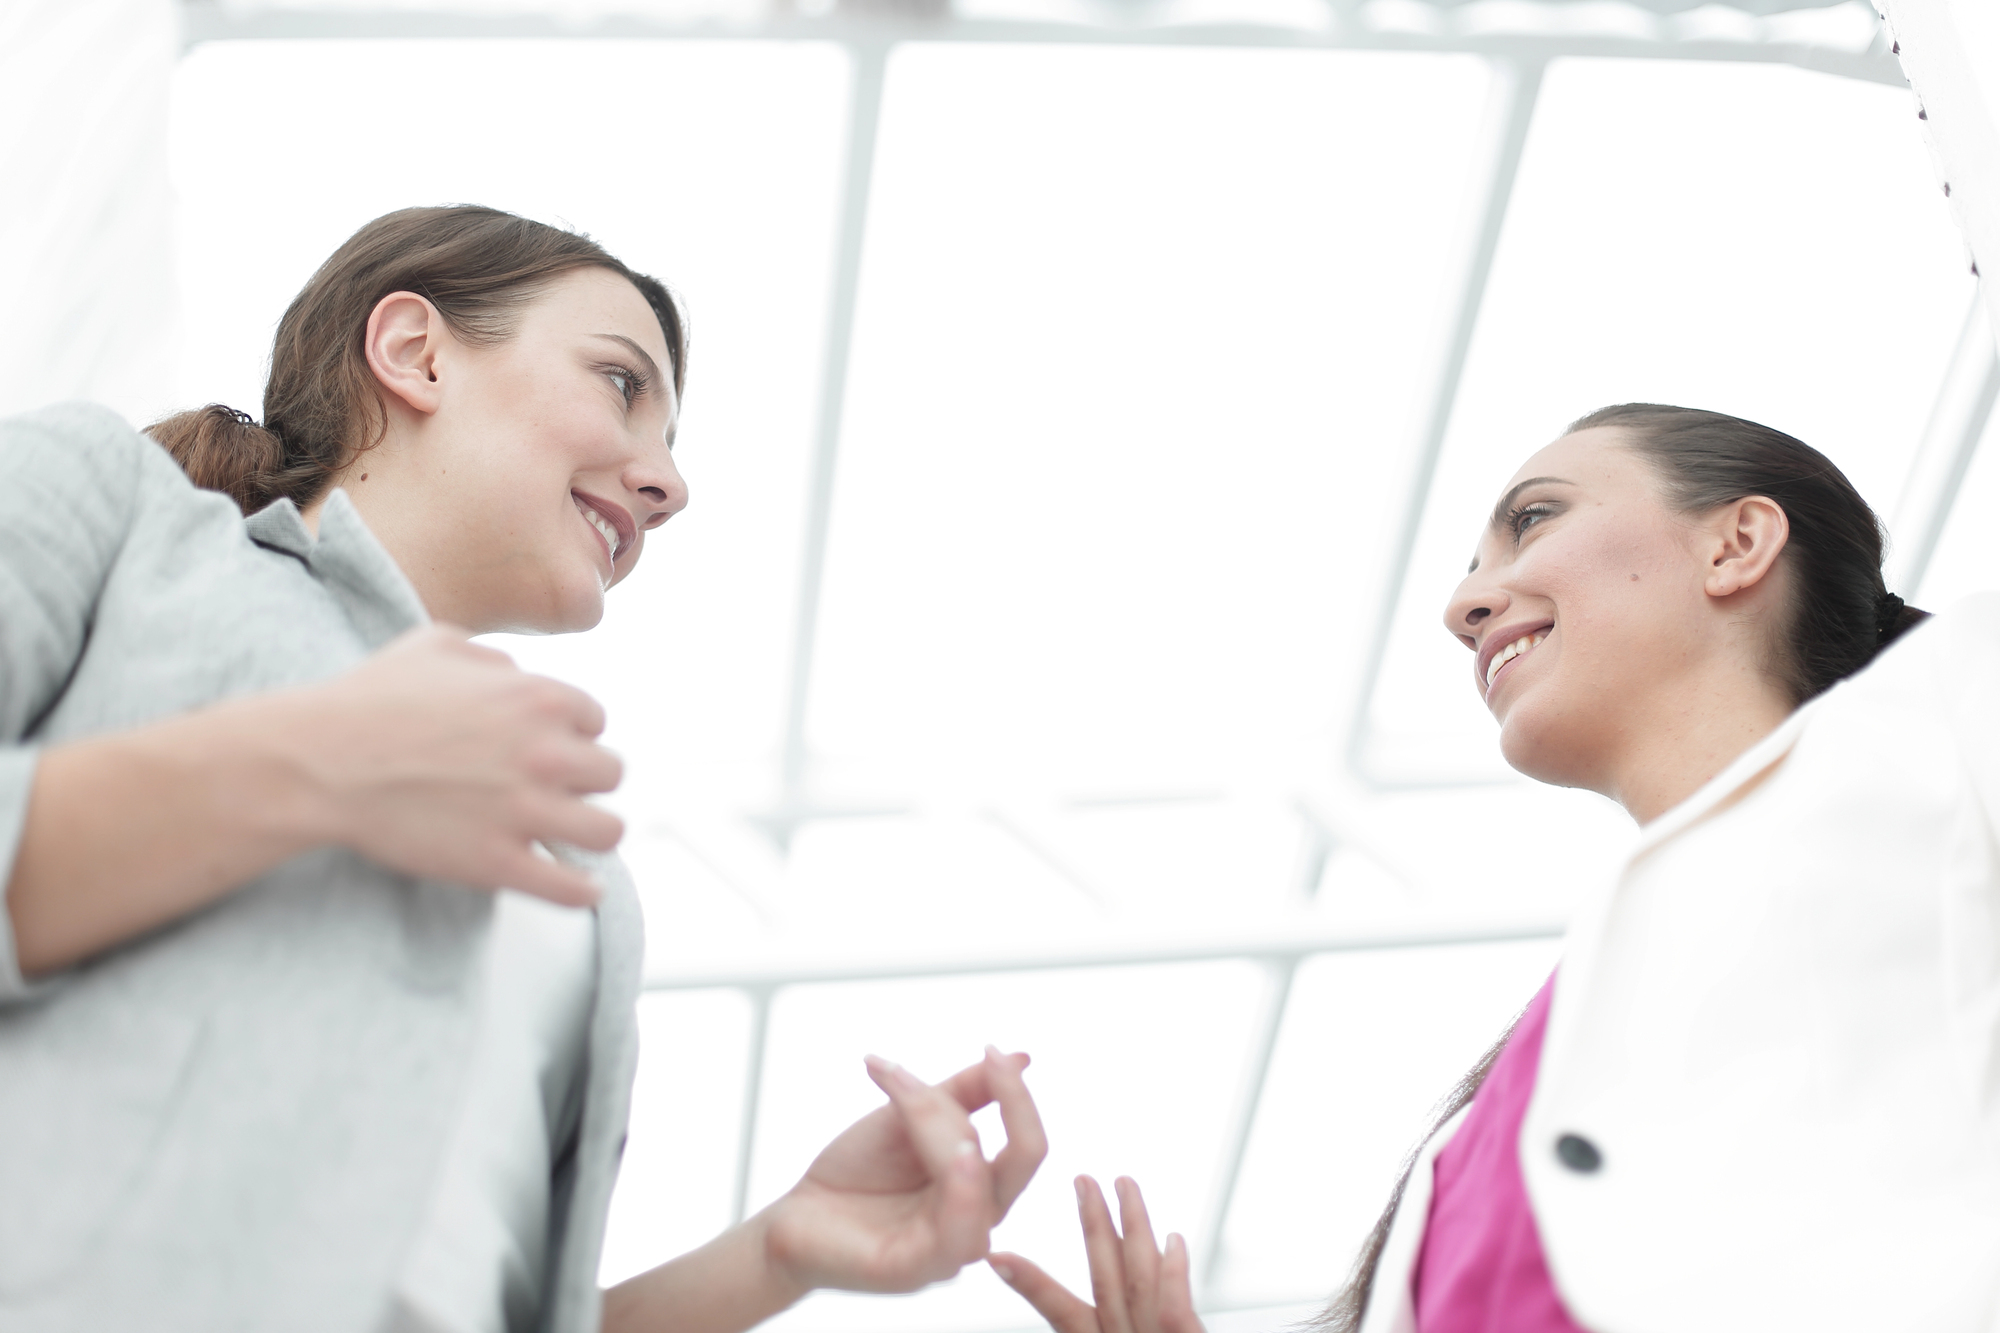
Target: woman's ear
405 335
1748 535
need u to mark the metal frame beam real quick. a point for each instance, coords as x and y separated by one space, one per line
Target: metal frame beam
1957 424
1280 952
864 119
1516 88
207 21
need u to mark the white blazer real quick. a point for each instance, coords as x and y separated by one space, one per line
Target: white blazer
1779 1027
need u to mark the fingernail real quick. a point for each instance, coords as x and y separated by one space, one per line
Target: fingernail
1002 1267
886 1068
1079 1185
992 1051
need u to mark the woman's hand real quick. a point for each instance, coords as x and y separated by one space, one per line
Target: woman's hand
435 757
441 758
1138 1288
901 1199
904 1197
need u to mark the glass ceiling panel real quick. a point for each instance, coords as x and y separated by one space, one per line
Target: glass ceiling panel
1755 239
1139 335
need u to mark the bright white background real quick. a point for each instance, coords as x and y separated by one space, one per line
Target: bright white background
1139 354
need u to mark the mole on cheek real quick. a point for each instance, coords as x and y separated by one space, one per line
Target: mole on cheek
1635 578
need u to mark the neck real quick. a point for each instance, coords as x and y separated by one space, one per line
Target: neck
1687 740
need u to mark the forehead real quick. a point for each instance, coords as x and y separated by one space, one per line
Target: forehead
593 301
1591 457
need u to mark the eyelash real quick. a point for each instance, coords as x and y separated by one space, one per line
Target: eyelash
1517 517
636 383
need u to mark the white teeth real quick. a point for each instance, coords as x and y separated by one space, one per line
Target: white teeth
603 526
1510 652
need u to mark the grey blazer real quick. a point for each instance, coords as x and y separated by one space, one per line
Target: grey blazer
234 1122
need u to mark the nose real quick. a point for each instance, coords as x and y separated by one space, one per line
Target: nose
1475 602
658 484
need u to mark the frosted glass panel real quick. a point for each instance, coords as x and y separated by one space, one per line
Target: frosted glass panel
1139 336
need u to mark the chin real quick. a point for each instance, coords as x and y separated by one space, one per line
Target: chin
1534 747
574 619
562 613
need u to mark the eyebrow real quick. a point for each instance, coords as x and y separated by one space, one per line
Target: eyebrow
1507 500
646 362
1499 517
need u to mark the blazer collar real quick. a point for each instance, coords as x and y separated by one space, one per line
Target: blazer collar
346 558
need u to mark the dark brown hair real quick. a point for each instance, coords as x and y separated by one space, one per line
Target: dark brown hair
479 266
1841 615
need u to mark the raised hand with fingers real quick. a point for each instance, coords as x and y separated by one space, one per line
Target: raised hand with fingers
1139 1288
905 1197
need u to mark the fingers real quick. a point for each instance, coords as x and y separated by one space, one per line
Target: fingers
579 709
1052 1301
972 1087
1027 1143
948 1146
578 823
566 886
1142 1257
1176 1293
998 1078
1107 1261
570 763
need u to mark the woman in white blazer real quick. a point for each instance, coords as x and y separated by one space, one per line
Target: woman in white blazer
1763 1090
277 1048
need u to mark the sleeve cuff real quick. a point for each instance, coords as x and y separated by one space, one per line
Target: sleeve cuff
17 782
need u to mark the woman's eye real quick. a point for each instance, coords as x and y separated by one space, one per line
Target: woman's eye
1520 520
624 384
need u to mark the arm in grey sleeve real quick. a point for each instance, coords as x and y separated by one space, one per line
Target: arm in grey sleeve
68 487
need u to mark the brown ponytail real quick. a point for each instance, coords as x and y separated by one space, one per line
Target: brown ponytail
224 450
478 266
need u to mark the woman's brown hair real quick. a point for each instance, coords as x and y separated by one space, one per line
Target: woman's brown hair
478 266
1841 616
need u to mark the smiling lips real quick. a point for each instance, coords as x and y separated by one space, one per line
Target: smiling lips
1519 647
604 526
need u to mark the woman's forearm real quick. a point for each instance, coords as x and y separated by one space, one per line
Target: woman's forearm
127 832
726 1286
435 757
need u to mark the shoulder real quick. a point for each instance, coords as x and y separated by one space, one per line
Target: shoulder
1936 689
72 449
72 435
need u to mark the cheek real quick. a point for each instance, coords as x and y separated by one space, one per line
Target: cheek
1622 599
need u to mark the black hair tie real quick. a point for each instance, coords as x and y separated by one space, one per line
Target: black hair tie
1888 613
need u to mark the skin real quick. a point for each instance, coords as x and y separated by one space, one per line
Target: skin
1655 674
577 407
440 758
1656 671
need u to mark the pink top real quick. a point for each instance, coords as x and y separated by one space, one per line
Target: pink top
1481 1268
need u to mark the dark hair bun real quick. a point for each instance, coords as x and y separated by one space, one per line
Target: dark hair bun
1896 618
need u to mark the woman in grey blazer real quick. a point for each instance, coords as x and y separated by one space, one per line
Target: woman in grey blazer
269 1057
